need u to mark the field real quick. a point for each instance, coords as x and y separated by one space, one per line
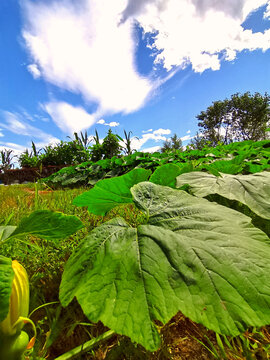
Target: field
134 203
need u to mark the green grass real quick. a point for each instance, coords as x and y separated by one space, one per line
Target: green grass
60 330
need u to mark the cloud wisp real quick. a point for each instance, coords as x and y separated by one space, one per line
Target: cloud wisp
15 123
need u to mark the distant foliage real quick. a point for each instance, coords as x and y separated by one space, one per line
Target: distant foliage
127 142
110 145
198 142
245 157
6 159
172 144
63 153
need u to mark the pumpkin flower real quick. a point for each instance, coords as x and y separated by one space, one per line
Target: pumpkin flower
11 326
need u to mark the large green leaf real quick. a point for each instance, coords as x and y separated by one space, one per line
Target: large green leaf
6 278
165 175
225 166
251 190
48 225
108 193
193 256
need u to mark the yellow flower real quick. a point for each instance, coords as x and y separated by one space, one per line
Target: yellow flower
19 302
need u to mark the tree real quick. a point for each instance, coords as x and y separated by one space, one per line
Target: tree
198 142
172 144
110 145
242 117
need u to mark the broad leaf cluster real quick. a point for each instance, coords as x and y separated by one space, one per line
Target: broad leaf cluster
245 157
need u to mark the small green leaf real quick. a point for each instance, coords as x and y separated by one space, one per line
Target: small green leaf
6 278
108 193
251 190
48 225
6 232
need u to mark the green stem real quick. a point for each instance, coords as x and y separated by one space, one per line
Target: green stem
86 346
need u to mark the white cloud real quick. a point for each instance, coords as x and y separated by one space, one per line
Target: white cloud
69 118
146 131
33 69
267 12
16 148
15 123
152 149
188 132
198 32
162 132
111 124
156 135
82 47
89 46
186 137
1 134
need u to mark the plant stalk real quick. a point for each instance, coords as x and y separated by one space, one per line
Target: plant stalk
86 346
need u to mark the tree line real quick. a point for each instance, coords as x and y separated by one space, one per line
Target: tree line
241 117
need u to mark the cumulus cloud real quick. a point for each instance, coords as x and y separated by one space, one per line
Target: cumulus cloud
157 135
89 47
111 124
162 132
80 46
15 123
186 137
34 70
1 134
69 118
152 149
267 12
198 32
146 131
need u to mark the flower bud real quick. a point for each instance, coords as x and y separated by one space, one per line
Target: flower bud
19 302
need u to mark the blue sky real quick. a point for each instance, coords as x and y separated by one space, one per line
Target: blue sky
146 66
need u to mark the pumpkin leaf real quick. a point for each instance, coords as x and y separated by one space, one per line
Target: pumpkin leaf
193 256
108 193
165 175
251 190
48 225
